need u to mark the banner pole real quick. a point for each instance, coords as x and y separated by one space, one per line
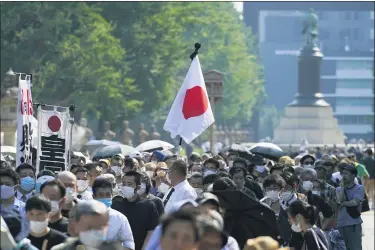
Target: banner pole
72 108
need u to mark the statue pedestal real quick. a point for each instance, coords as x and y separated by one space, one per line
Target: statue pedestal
315 123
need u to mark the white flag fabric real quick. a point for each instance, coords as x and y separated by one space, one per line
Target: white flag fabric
191 112
25 117
53 139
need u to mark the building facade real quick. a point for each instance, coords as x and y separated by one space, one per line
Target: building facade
346 38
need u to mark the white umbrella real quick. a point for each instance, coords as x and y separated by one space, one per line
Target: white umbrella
8 150
154 145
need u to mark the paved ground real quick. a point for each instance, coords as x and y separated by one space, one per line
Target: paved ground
368 230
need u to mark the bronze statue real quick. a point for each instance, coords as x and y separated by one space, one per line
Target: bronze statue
154 134
127 134
108 134
143 134
310 28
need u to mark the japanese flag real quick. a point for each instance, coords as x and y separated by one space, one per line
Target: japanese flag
191 113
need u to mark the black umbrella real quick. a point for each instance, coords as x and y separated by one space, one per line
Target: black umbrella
267 150
245 217
241 151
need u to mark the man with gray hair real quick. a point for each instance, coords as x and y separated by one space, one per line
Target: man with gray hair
91 224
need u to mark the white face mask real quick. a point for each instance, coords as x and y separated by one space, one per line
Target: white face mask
38 226
273 195
82 185
307 185
199 191
55 208
143 169
316 192
296 228
308 166
92 238
230 164
70 193
127 192
117 170
150 174
163 188
286 196
142 189
208 172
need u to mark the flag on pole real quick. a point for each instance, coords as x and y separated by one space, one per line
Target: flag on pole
191 113
53 139
24 122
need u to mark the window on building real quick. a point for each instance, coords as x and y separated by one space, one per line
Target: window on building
372 33
355 119
354 101
348 15
354 65
371 15
355 34
356 15
324 34
12 109
354 84
344 33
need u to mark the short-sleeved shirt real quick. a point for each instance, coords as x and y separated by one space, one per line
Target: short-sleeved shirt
343 218
369 163
142 215
54 238
60 225
362 171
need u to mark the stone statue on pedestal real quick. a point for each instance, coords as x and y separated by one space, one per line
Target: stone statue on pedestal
108 134
154 134
310 28
127 134
143 134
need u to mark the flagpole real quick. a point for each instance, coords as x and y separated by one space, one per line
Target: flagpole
72 108
197 46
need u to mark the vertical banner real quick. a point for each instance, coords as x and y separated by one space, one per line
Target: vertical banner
24 121
53 139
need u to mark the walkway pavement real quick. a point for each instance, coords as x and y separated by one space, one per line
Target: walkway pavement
368 230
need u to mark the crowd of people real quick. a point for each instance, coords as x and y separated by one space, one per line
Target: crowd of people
152 201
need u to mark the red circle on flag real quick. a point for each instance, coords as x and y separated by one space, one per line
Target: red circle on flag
54 123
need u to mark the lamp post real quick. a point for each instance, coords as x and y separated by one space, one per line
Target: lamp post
214 85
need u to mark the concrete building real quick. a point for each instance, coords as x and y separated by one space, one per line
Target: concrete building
346 38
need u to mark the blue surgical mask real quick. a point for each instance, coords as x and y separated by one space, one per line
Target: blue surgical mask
106 201
27 183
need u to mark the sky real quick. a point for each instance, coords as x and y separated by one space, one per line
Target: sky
238 6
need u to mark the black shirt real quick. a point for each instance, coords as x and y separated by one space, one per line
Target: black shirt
54 238
65 212
60 225
312 243
142 215
158 203
254 186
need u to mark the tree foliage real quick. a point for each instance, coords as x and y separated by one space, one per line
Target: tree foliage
122 59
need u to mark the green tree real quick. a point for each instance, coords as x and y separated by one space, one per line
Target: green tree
71 48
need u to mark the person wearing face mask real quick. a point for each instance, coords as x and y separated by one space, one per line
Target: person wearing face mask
230 158
55 191
27 182
38 209
118 225
303 218
160 184
83 192
196 181
180 187
144 192
349 200
273 184
307 161
70 183
9 181
142 213
288 195
211 166
117 163
91 220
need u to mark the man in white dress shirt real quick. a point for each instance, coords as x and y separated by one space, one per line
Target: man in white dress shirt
119 227
83 188
181 189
